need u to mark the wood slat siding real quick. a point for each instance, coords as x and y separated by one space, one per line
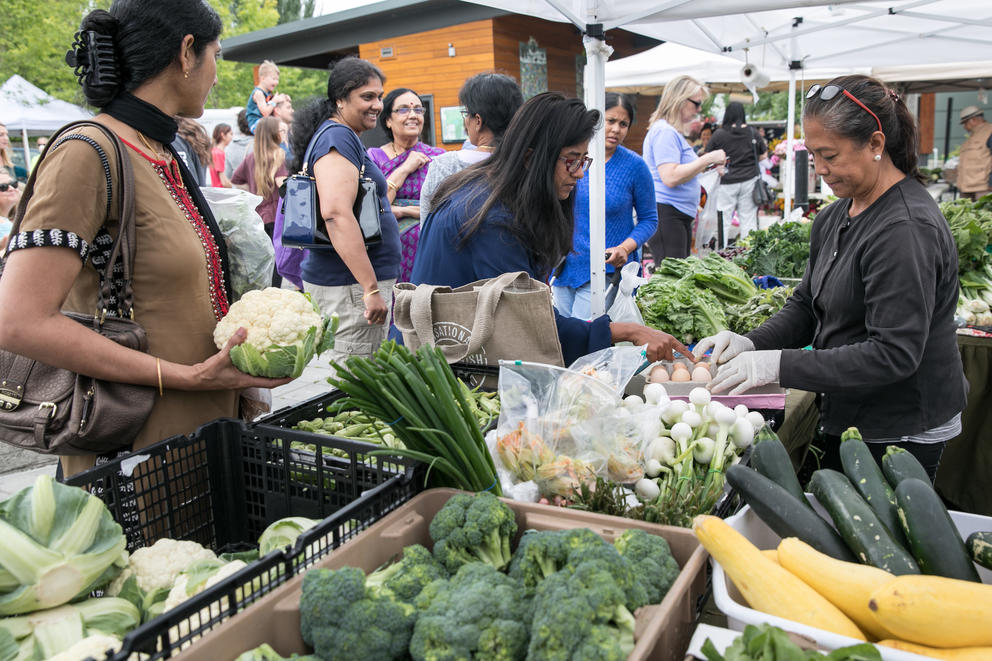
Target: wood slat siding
561 41
420 61
925 120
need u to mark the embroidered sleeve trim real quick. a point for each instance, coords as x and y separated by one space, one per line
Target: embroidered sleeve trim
50 238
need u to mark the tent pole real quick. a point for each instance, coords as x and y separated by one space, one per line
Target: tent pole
27 150
597 52
788 178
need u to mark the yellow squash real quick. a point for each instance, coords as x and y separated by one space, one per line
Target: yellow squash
935 611
766 586
948 654
847 585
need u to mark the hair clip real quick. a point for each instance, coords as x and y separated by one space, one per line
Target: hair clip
92 58
893 95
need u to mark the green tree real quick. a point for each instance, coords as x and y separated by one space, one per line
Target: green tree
235 80
34 40
293 10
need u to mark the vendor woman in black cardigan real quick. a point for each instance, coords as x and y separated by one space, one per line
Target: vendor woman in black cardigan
878 297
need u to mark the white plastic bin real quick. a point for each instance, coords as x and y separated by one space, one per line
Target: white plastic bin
730 602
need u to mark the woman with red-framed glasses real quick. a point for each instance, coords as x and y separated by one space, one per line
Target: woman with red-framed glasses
515 211
878 297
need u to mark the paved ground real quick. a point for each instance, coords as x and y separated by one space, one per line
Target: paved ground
18 468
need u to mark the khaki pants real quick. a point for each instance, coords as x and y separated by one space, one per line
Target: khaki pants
355 336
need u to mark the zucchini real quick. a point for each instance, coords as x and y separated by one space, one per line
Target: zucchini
860 467
784 515
979 545
770 458
858 524
899 464
933 538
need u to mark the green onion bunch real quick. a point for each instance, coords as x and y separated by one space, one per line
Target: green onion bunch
420 398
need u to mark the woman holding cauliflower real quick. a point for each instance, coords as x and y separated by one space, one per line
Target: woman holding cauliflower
161 65
353 282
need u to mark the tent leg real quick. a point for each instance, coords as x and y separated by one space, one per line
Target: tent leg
597 52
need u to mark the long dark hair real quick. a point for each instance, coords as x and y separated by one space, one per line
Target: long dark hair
146 36
520 175
388 102
495 98
734 115
348 75
847 119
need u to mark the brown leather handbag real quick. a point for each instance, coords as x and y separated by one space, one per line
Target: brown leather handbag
51 410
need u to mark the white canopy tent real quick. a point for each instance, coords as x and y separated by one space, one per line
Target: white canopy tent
24 107
773 34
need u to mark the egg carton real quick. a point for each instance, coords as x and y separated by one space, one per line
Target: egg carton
770 396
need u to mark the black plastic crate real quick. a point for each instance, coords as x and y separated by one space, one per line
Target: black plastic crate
315 407
221 487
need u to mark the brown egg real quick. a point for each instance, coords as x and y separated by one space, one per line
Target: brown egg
681 374
659 374
701 373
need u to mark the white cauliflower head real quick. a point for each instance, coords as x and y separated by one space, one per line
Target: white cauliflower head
157 566
95 646
285 330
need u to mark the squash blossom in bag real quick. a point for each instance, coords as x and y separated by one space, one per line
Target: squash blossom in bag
285 330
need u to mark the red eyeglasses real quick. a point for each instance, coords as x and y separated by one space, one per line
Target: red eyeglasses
830 91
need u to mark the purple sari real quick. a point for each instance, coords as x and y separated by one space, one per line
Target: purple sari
407 195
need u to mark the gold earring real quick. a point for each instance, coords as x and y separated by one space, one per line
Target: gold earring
185 74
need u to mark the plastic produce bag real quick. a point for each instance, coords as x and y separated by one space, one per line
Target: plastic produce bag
706 229
624 308
249 248
614 366
561 428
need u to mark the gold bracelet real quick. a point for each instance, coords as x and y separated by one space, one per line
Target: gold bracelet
365 296
391 185
158 368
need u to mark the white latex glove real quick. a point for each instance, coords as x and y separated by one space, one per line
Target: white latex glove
746 371
725 345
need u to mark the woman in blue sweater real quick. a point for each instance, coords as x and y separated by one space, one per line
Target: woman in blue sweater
629 188
514 212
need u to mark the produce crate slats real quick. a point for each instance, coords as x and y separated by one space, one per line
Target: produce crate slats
222 487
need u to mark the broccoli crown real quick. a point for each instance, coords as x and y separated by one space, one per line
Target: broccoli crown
539 554
472 528
343 619
479 613
652 560
579 613
407 577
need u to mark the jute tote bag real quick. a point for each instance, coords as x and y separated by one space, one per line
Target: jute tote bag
509 317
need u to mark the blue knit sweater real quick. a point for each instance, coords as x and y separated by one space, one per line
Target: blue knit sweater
629 187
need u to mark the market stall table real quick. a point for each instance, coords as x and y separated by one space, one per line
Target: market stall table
966 466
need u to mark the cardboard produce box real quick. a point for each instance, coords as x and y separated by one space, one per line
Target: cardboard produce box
662 632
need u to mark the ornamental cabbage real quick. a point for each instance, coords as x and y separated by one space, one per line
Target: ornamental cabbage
58 544
285 330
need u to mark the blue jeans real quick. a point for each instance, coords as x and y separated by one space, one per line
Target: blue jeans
573 301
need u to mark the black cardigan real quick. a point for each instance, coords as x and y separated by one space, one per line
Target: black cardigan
877 304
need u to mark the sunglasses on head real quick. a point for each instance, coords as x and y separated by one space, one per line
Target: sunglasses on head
830 91
406 110
4 187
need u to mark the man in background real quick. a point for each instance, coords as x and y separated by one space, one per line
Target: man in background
240 146
284 111
42 141
975 159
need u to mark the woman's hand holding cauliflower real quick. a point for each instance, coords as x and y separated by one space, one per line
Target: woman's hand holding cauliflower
284 331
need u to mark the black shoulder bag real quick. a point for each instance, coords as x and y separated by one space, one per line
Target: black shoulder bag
761 194
303 225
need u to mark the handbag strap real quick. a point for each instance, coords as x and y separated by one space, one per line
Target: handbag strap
125 243
483 324
313 141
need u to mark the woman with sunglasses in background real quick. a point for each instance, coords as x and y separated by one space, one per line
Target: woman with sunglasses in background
404 160
628 189
10 194
878 297
675 166
515 212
